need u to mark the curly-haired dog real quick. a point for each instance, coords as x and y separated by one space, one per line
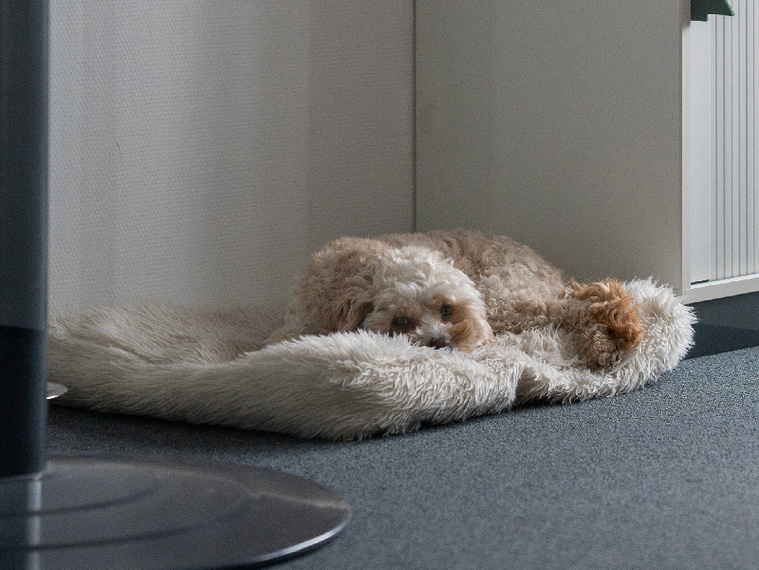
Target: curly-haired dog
456 290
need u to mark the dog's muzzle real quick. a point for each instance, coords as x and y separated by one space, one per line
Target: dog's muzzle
439 341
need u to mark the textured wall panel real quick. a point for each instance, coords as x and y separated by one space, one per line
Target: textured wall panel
201 150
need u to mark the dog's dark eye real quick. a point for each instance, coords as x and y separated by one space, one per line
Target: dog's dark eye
446 312
401 323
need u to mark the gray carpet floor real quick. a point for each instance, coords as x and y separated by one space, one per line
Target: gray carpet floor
665 477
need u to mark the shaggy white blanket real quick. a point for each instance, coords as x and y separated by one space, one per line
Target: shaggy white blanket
210 367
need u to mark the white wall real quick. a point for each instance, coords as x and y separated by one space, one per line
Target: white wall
557 123
201 150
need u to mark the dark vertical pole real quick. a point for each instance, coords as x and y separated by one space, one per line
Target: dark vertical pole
23 234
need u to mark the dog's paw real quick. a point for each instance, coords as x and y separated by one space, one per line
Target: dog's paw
597 348
615 330
611 305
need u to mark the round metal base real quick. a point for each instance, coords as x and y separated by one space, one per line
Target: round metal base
54 390
85 513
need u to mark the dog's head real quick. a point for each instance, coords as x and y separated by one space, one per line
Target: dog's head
418 293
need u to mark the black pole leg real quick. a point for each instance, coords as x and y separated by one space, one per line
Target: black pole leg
23 234
22 401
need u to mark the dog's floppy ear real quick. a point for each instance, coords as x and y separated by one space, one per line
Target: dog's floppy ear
350 314
336 293
352 304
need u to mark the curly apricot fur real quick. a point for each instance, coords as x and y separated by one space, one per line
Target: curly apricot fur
611 305
496 284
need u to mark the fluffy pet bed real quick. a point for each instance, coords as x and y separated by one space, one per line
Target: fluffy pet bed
210 367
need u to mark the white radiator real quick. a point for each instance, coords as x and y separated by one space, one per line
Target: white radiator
726 225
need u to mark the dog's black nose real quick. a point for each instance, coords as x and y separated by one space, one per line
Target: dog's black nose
439 342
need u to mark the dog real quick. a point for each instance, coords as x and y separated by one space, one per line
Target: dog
456 290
